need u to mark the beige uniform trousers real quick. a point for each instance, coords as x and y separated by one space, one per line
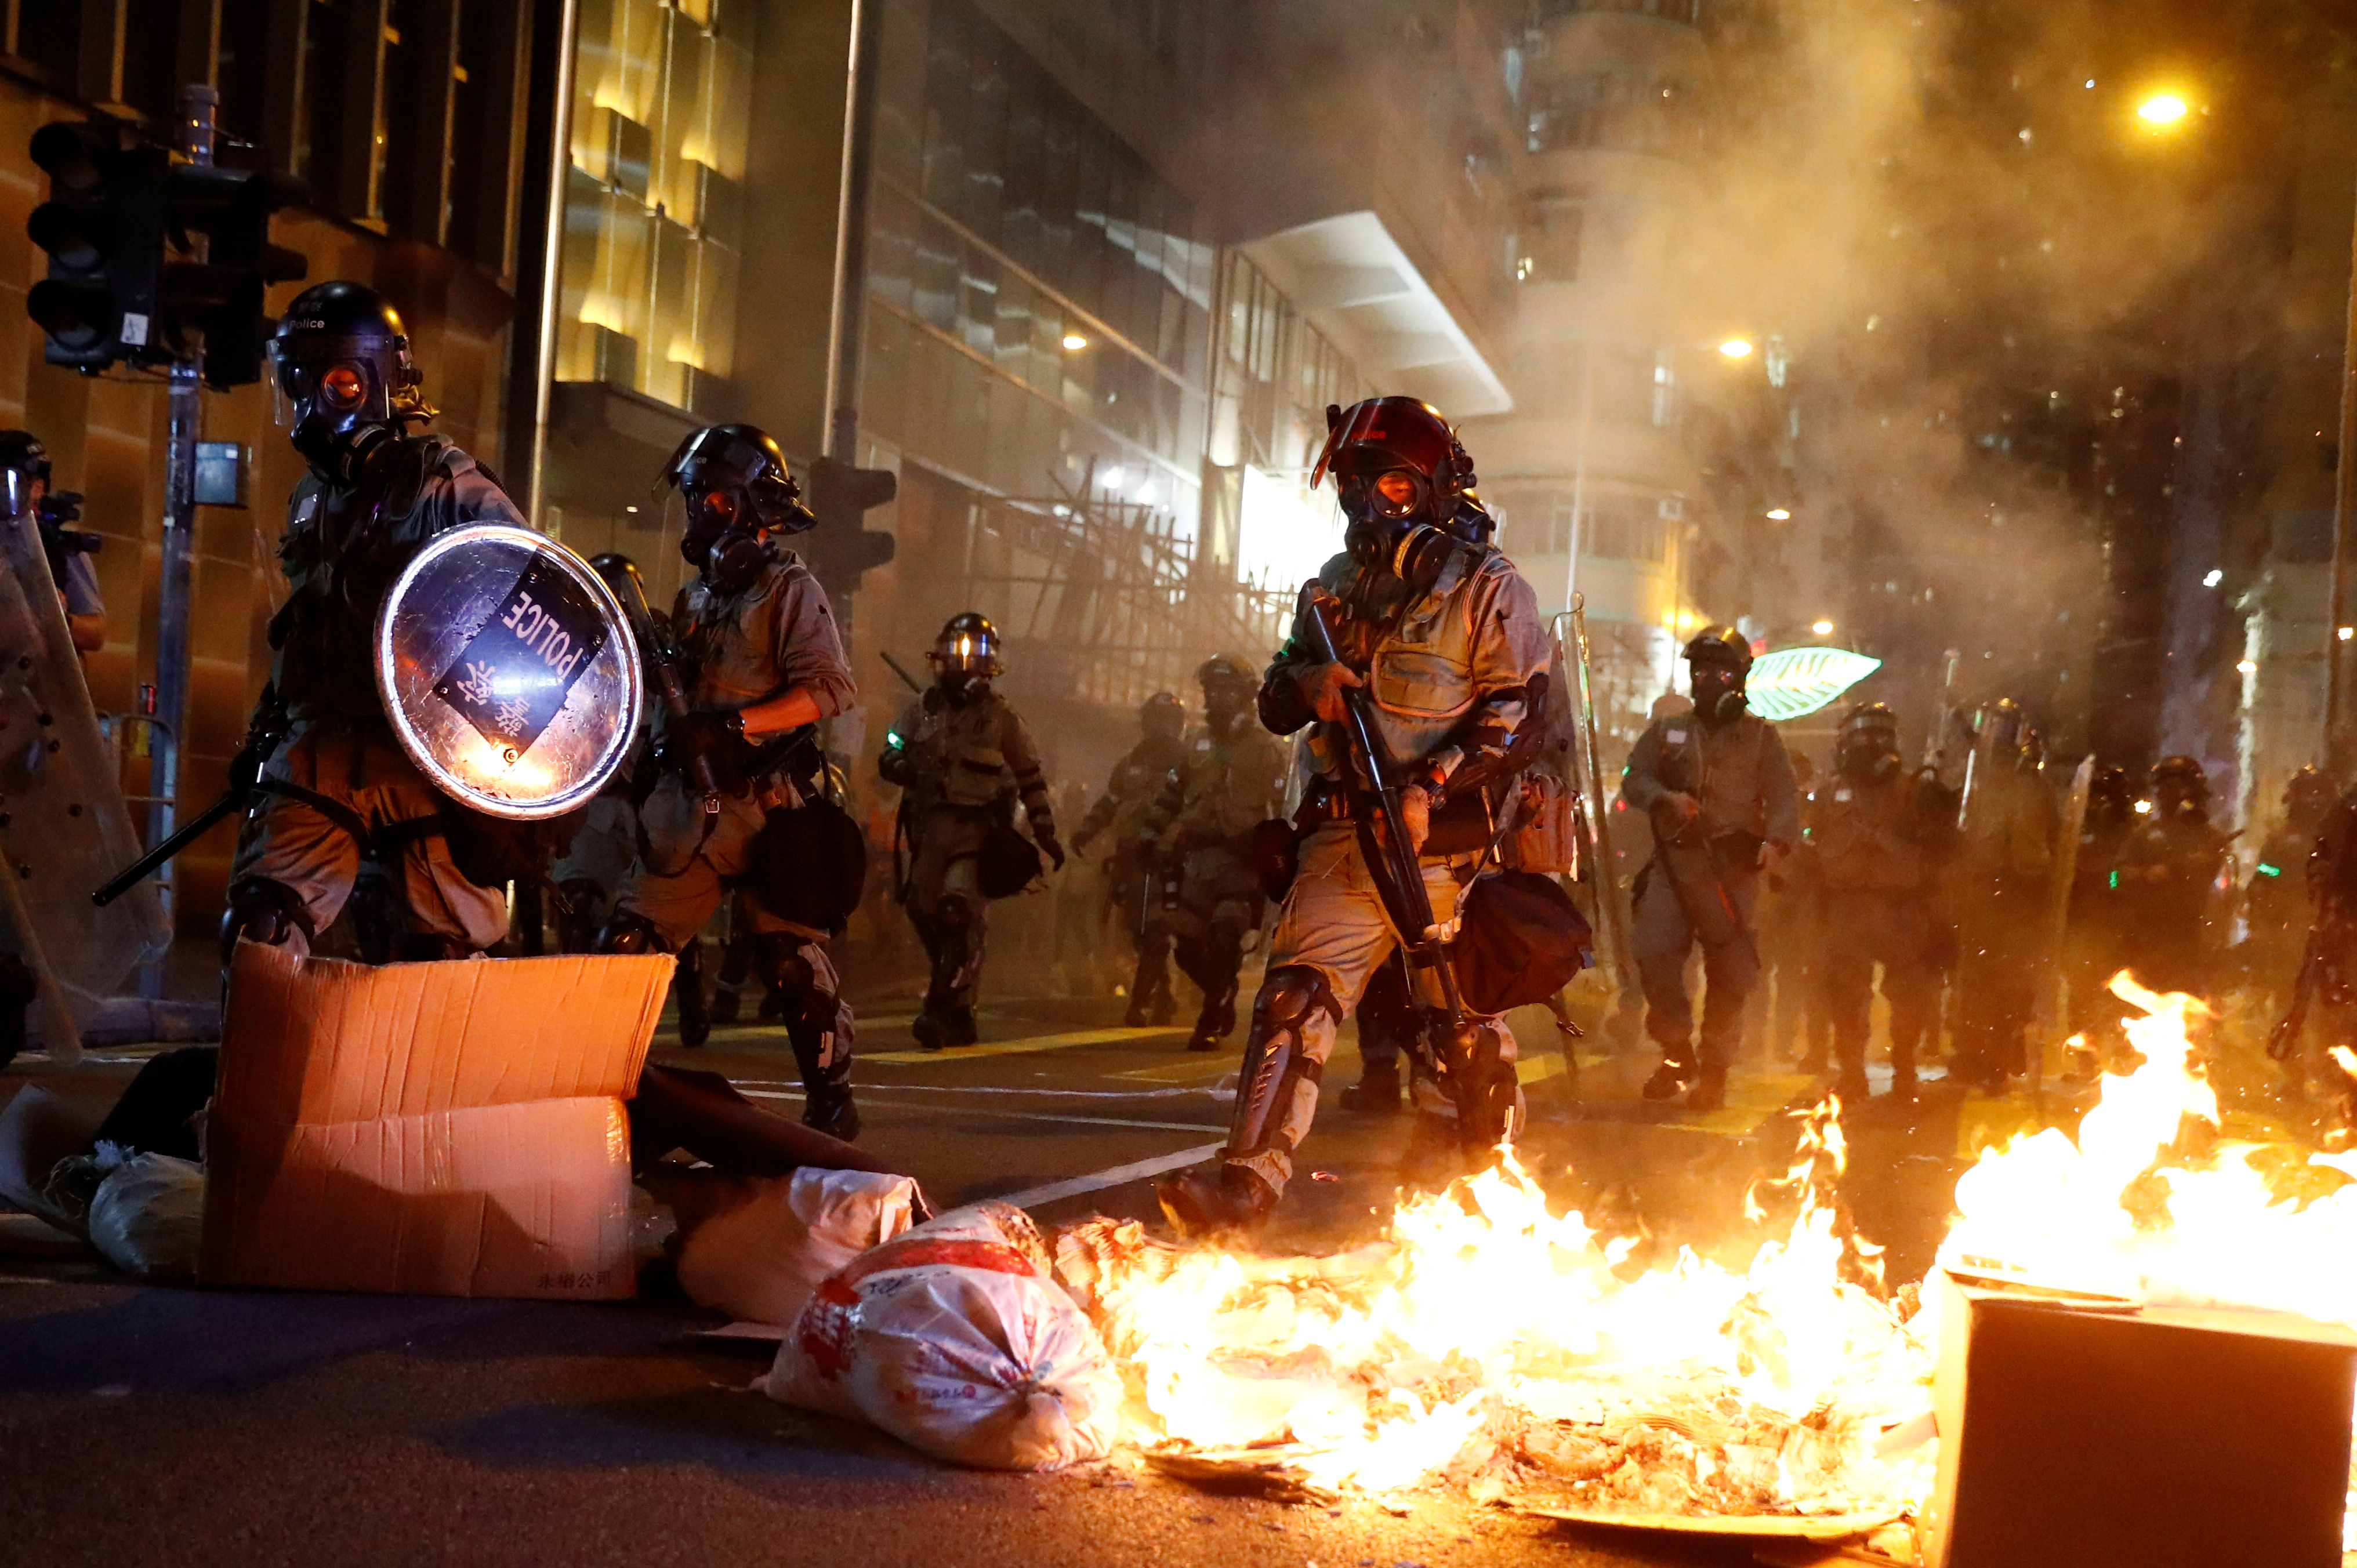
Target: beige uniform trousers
359 766
1333 920
685 873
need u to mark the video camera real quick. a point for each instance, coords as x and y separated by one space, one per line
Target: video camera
60 543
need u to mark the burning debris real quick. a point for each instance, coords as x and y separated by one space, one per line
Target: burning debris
1511 1354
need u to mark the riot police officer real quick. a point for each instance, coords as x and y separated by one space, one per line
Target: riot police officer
767 665
2092 951
1878 839
339 788
2005 870
2272 909
965 758
1718 789
1444 636
1232 780
68 549
1133 879
2168 873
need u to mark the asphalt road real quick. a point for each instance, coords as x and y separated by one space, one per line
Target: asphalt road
149 1425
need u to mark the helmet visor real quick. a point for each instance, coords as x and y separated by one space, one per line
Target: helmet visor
1386 495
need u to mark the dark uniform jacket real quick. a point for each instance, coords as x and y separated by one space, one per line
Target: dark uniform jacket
1736 769
970 754
1879 836
1128 800
1231 782
341 552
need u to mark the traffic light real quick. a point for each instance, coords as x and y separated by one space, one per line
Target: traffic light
103 228
839 550
125 283
215 306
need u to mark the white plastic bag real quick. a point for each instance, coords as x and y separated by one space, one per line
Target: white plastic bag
760 1255
955 1338
147 1217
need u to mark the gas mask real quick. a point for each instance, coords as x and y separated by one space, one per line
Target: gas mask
1718 691
724 540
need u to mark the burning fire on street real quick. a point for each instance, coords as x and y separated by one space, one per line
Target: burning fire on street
1494 1347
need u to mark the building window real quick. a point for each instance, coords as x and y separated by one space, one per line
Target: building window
1550 243
1620 111
651 248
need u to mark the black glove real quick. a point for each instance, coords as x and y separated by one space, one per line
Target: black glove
702 733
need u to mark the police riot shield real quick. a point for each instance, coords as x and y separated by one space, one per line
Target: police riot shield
507 672
63 819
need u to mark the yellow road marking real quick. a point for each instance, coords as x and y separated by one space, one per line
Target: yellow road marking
1193 1069
1019 1048
1751 1099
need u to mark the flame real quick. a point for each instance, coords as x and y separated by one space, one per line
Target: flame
1490 1342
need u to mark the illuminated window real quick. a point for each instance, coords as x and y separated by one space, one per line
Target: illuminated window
661 97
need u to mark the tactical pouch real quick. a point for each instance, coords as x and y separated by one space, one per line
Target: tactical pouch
812 862
1546 826
1007 864
1276 858
1522 941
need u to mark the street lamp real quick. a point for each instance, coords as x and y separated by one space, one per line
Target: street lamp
1075 342
1736 347
1779 514
2161 110
1821 628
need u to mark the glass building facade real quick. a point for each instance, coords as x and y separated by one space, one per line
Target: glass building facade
652 251
1040 301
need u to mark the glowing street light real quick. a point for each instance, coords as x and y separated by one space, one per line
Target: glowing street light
1821 628
2161 110
1736 347
1074 341
1779 514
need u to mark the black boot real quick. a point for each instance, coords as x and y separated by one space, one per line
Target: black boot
828 1109
1200 1205
1670 1079
687 987
1709 1089
1377 1093
1215 1023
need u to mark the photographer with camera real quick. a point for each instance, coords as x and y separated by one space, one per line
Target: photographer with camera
68 549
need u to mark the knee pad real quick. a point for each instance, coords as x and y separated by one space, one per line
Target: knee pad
781 965
1290 997
261 910
627 933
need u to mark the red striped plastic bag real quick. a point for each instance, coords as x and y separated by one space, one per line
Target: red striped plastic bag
957 1339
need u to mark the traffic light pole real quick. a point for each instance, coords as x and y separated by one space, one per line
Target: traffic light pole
187 423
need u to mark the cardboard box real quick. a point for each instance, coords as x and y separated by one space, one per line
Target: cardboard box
437 1129
2149 1438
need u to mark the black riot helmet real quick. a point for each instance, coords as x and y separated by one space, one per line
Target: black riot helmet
1229 686
1162 715
1719 658
2001 723
734 480
342 376
2111 797
1401 473
2180 787
24 463
1866 750
967 651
